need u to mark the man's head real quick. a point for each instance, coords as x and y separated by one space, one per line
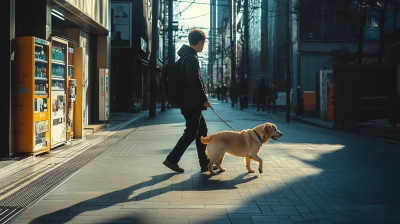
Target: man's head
197 39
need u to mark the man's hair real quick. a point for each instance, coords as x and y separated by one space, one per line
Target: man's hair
195 36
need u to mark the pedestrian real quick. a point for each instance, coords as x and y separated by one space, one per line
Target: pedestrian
272 97
218 91
233 94
194 102
224 91
262 95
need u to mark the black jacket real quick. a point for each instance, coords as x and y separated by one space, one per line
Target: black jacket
194 91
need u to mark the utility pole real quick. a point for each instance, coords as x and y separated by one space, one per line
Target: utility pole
233 43
163 56
210 74
214 40
288 62
170 32
153 59
246 53
222 54
216 58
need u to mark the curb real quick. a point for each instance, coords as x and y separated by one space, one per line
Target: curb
382 138
297 119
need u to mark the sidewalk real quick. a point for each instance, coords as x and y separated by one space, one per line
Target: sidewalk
380 129
9 166
310 176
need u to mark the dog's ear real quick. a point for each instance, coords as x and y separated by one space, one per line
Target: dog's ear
267 129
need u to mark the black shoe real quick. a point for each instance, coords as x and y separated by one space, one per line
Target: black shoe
174 167
205 168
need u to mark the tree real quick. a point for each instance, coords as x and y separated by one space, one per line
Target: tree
356 12
378 9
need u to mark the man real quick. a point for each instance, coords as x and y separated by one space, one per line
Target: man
233 94
194 102
272 97
262 94
224 90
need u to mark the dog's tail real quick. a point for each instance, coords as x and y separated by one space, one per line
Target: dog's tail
206 140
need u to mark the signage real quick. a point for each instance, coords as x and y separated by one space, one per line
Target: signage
143 45
281 101
121 24
40 41
160 51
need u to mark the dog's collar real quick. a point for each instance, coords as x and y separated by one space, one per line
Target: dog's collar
258 136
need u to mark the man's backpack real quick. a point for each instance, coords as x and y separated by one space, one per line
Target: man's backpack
173 83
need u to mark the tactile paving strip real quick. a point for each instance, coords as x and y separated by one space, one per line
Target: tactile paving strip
13 204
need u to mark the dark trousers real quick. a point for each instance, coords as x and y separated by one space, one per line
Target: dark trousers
233 101
223 97
261 102
195 128
273 106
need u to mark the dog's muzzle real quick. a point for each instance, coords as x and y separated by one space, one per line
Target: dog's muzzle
276 137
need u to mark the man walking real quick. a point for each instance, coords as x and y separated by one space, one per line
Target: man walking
262 94
194 102
272 97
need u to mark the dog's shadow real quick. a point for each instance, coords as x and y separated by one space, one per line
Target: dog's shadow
205 182
194 183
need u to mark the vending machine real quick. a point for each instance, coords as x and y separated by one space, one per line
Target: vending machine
32 95
104 94
71 94
58 88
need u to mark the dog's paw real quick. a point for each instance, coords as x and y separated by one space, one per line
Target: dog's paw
260 170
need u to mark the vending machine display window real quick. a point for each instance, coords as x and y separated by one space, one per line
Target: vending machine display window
59 62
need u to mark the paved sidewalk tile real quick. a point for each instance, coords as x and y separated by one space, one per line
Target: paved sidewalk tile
311 175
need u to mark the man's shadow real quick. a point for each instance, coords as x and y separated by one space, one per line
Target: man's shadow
198 183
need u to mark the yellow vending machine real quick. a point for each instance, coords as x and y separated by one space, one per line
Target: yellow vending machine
71 92
59 62
32 111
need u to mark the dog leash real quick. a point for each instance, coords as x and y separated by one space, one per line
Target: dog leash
222 119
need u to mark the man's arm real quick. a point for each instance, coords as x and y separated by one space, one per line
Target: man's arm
194 79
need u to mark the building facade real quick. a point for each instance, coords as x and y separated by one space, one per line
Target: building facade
83 24
130 63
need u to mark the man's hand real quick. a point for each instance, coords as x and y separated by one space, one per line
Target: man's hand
207 104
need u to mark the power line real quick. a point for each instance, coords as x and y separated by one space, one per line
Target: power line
176 6
187 7
195 16
200 3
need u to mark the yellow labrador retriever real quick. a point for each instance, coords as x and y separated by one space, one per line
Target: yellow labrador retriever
246 143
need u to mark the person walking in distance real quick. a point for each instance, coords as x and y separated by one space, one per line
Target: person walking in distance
262 95
224 90
194 101
272 97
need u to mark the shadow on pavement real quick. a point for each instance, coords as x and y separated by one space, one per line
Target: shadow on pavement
202 183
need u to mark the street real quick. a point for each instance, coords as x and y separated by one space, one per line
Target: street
311 175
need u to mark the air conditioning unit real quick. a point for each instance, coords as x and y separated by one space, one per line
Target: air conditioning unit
310 35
